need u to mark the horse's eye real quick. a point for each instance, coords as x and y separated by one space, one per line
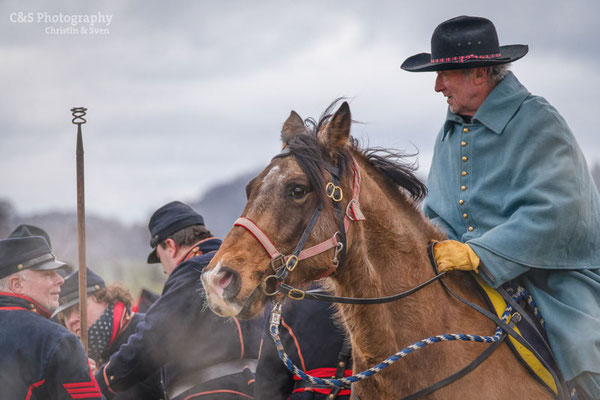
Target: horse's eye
298 192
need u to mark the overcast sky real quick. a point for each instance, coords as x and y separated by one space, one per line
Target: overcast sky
182 95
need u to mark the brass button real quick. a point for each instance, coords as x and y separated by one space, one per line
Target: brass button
461 202
341 364
97 287
20 267
464 173
112 377
464 158
463 143
463 188
471 229
465 130
465 216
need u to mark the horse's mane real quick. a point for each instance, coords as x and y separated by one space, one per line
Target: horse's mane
312 157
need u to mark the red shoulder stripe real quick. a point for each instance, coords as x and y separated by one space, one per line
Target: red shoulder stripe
84 390
33 386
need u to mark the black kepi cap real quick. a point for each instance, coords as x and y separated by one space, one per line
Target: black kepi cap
26 230
31 252
69 291
167 220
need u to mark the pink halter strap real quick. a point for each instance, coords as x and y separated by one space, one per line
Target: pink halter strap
353 213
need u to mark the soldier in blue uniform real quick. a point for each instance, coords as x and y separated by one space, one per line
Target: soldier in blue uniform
200 355
110 322
40 359
315 343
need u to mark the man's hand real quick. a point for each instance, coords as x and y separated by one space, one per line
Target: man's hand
450 255
92 365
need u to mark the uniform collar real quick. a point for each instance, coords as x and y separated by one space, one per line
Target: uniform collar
15 300
201 247
497 109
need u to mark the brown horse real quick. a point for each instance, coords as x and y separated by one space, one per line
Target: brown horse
386 253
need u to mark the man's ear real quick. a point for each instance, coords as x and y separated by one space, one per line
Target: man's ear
479 76
171 246
16 284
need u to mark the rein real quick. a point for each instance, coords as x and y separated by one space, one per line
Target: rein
512 315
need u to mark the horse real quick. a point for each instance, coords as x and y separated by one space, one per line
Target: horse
385 253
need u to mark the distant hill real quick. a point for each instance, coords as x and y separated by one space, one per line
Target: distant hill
223 204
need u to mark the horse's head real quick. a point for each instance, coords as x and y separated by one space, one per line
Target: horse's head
282 201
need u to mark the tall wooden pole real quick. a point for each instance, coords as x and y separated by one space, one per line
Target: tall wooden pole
78 119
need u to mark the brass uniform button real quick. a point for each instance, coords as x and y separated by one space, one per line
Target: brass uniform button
97 287
464 173
461 202
463 143
465 216
112 377
466 130
463 188
464 158
20 267
471 229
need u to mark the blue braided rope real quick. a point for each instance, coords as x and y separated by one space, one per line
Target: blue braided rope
345 382
521 294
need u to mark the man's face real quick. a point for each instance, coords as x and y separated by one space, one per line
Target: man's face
73 319
462 95
167 255
42 286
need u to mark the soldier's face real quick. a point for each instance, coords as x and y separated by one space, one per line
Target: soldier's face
167 255
94 310
461 93
41 286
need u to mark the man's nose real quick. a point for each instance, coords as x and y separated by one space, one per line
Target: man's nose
58 279
439 86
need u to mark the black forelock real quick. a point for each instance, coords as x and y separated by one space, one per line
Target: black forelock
313 157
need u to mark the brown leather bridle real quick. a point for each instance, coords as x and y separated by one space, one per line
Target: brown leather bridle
282 264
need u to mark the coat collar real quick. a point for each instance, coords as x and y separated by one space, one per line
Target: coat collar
497 109
16 301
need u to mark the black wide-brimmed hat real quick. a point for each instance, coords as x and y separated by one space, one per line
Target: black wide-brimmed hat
167 220
31 252
464 42
69 291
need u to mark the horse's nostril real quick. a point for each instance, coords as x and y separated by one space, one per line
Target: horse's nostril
225 280
230 283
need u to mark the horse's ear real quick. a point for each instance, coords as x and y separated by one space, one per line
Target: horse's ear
293 126
336 133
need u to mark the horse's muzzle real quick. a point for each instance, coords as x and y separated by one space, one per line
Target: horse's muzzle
222 285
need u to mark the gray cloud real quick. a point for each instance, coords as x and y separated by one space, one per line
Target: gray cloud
184 94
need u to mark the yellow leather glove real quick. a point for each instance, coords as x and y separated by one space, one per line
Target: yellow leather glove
450 255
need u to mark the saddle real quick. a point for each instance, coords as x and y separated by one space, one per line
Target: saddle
542 366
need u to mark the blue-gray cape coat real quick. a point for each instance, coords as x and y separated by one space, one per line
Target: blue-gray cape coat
515 186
